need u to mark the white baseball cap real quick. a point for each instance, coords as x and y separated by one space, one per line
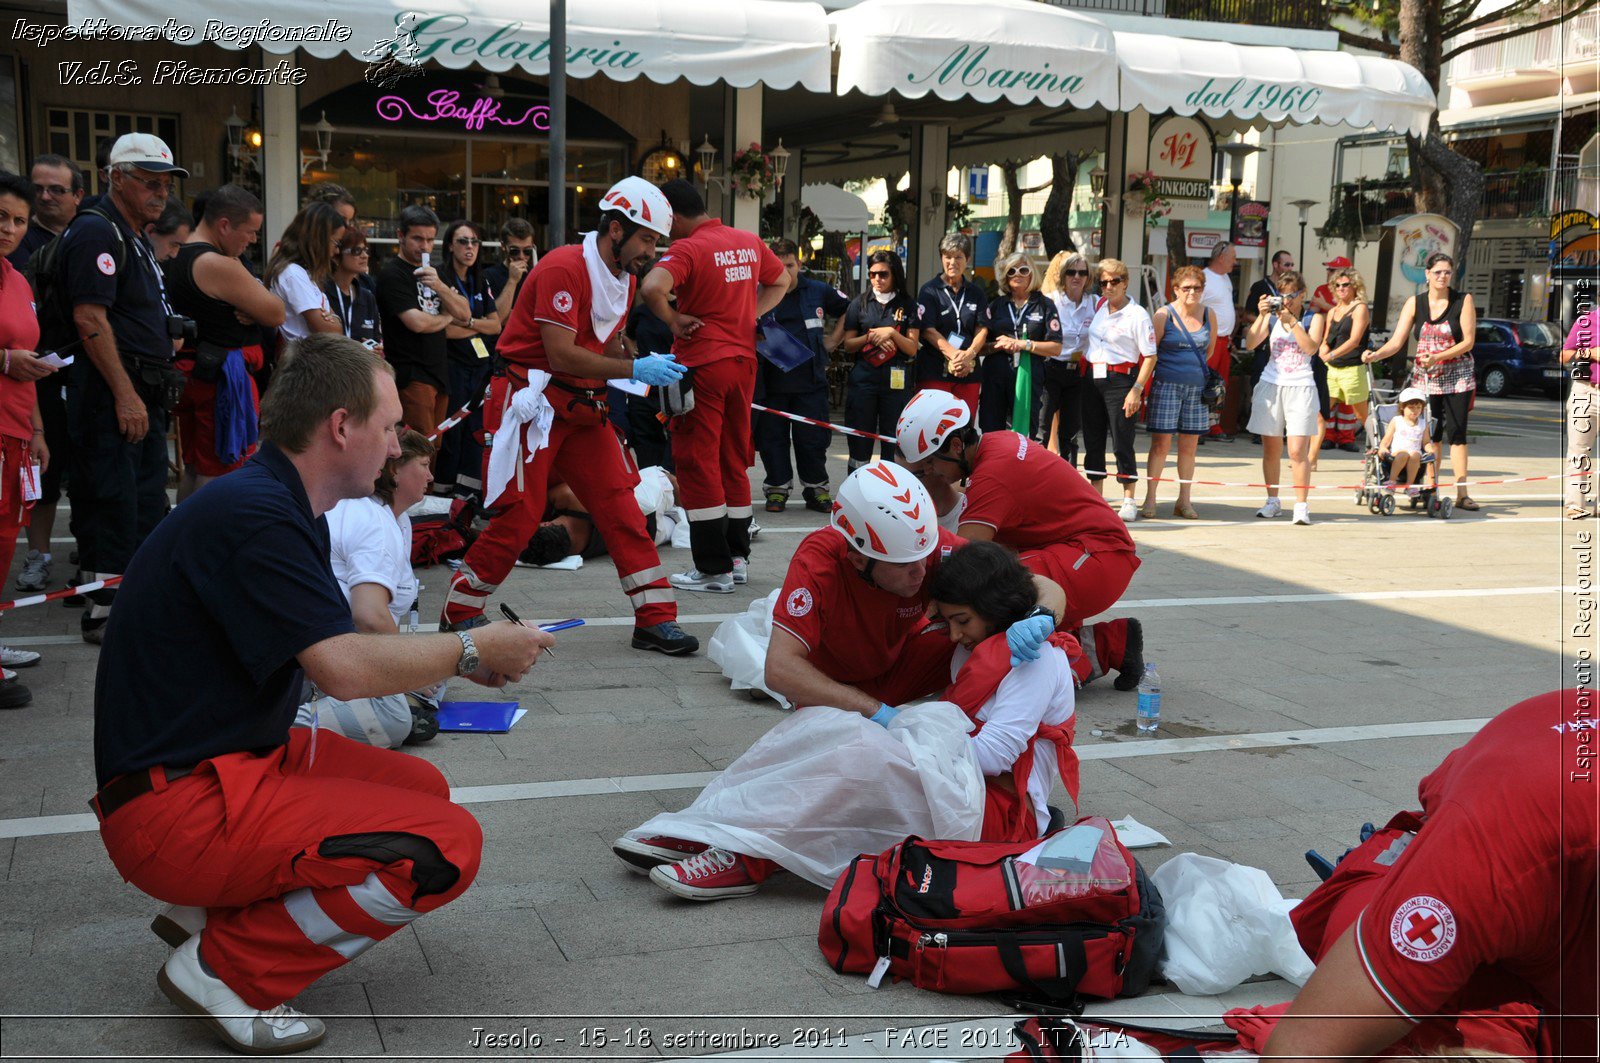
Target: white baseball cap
146 152
1411 395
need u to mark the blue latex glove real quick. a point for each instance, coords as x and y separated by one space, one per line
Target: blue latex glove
658 370
1026 636
884 714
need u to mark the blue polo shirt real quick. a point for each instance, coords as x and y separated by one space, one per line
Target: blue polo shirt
132 292
199 656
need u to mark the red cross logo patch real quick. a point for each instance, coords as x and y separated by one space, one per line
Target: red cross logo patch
1423 929
562 302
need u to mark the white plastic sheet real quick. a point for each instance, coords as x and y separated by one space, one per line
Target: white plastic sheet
740 647
1225 923
826 785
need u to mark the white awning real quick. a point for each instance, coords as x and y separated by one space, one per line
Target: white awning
1221 80
986 50
780 43
836 209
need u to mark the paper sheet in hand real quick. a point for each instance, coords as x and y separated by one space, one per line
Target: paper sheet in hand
632 387
55 361
488 717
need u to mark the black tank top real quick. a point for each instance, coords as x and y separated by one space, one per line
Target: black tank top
1338 334
213 317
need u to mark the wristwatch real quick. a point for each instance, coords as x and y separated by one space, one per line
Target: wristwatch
469 654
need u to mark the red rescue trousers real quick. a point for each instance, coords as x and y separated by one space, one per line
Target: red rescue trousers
967 393
301 866
1093 582
713 450
590 459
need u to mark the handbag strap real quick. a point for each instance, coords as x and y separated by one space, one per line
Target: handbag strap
1060 988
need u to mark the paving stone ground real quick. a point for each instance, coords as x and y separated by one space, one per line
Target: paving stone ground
555 938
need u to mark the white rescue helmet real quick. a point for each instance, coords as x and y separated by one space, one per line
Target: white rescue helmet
927 421
885 512
640 202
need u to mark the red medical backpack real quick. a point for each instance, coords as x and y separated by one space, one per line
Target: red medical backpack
979 917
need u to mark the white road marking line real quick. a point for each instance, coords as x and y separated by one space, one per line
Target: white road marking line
45 826
1124 606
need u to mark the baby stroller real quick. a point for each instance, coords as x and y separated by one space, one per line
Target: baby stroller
1373 492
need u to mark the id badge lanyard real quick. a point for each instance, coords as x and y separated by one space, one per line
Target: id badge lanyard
958 338
346 310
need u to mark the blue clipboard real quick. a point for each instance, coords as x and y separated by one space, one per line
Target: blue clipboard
485 717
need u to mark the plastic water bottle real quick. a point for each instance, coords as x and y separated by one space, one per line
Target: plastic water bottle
1149 701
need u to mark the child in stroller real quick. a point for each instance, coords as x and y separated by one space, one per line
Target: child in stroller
1405 450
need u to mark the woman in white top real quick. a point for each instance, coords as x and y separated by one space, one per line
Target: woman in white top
371 557
1285 401
1066 282
1119 362
301 265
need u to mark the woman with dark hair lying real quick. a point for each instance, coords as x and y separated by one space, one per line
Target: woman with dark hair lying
791 803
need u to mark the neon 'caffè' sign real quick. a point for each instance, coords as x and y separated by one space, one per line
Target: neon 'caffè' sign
448 107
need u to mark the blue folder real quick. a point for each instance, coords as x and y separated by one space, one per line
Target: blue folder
488 717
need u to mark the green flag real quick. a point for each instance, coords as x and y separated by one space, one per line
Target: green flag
1022 408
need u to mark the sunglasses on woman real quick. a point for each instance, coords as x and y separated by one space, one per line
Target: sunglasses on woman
467 241
1018 271
879 273
356 251
1107 282
1191 288
1074 273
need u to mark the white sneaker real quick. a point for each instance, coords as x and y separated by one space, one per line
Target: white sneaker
755 529
241 1027
741 571
1271 509
1128 512
1302 513
695 580
35 574
178 923
10 658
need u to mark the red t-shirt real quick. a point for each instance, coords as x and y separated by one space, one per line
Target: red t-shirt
1034 499
1494 900
556 291
854 630
19 331
715 271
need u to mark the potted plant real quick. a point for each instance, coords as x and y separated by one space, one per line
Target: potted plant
751 172
1142 195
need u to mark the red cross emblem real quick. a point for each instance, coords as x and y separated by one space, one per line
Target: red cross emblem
1423 929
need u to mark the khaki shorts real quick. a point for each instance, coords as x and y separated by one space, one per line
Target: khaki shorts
1348 384
1278 411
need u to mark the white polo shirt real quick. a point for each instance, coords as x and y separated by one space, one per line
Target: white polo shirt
1218 296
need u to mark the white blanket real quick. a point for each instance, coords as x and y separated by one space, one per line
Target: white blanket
826 785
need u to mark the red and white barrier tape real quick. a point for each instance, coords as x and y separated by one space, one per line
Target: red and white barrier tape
459 416
821 424
1169 479
82 588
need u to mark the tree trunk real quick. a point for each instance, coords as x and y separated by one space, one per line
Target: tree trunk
1177 252
1010 171
1055 224
1008 235
1443 181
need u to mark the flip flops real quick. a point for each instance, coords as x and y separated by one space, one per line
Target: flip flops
1465 502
